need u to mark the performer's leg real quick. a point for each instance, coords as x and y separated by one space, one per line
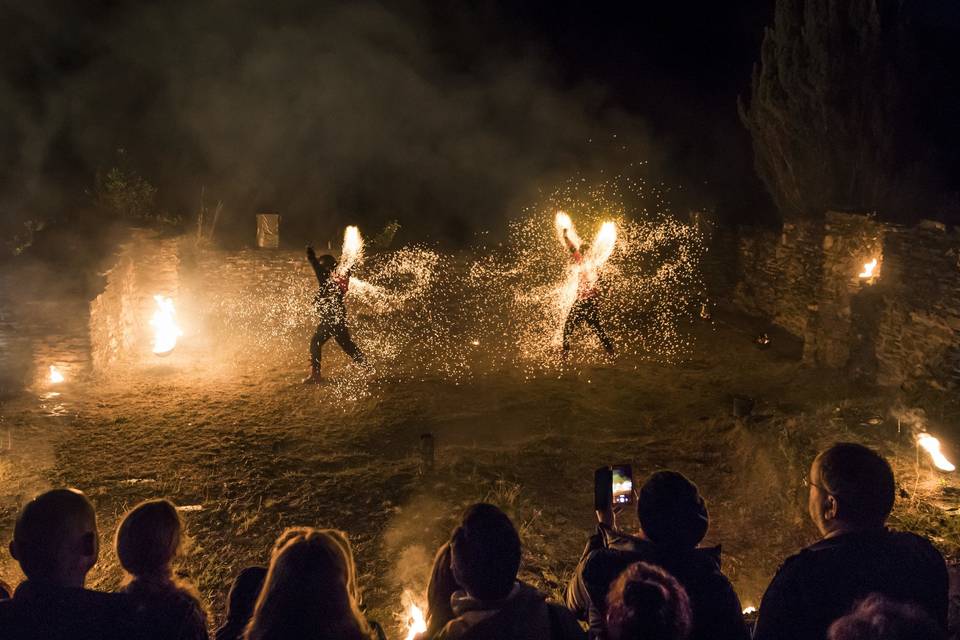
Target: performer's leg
320 336
342 336
593 319
574 317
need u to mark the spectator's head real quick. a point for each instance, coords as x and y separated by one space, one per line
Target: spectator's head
148 539
485 552
441 587
851 488
877 618
55 538
647 603
671 510
244 592
306 592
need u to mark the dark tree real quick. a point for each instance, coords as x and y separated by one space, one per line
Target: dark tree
832 111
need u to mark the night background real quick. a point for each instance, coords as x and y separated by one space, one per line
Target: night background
744 217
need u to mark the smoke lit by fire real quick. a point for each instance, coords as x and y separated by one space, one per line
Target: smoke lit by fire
165 328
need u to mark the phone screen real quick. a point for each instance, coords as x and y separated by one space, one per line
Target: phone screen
622 484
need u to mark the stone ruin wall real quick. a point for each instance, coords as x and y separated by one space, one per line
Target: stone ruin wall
145 265
903 326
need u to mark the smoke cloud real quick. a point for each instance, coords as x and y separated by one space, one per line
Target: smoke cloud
325 112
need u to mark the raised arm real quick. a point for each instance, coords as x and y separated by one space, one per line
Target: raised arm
317 267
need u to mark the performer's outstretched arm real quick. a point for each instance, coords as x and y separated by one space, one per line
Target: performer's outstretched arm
317 267
568 242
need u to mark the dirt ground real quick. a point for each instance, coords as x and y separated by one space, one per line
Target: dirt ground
247 451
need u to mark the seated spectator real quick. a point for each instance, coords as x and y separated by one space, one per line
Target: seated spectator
485 558
55 541
148 542
240 601
673 521
851 494
440 589
307 593
877 618
646 603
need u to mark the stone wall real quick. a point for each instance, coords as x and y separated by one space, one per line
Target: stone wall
145 265
901 325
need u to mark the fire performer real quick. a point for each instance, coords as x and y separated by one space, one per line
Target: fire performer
585 308
332 312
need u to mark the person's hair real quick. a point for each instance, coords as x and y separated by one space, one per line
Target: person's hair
647 603
149 538
861 480
327 261
440 588
244 593
47 530
671 510
485 552
306 593
878 618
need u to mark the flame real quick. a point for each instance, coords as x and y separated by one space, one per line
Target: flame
562 222
55 376
748 610
352 251
165 329
416 622
868 268
932 446
602 246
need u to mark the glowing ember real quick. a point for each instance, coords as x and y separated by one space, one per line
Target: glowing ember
165 329
932 446
352 252
416 622
55 376
748 610
868 268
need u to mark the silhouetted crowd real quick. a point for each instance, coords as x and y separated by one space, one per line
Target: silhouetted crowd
861 581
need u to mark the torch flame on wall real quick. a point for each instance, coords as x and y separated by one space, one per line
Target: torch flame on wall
932 446
868 268
165 329
352 250
416 622
55 376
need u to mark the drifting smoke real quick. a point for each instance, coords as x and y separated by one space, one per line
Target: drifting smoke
326 112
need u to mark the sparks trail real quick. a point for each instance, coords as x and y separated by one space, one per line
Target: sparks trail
643 265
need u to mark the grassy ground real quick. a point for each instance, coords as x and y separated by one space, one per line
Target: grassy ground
251 452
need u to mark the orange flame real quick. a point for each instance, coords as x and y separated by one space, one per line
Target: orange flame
165 328
868 268
932 446
55 376
352 251
416 621
562 222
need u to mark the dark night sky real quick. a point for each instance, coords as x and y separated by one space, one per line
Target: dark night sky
448 116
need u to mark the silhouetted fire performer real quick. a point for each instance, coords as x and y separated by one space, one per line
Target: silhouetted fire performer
586 308
332 312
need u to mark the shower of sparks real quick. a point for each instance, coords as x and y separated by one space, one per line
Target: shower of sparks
165 328
647 278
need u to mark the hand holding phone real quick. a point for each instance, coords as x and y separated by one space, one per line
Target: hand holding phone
612 489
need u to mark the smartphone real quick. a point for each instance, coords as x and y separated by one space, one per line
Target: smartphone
621 484
612 486
602 488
